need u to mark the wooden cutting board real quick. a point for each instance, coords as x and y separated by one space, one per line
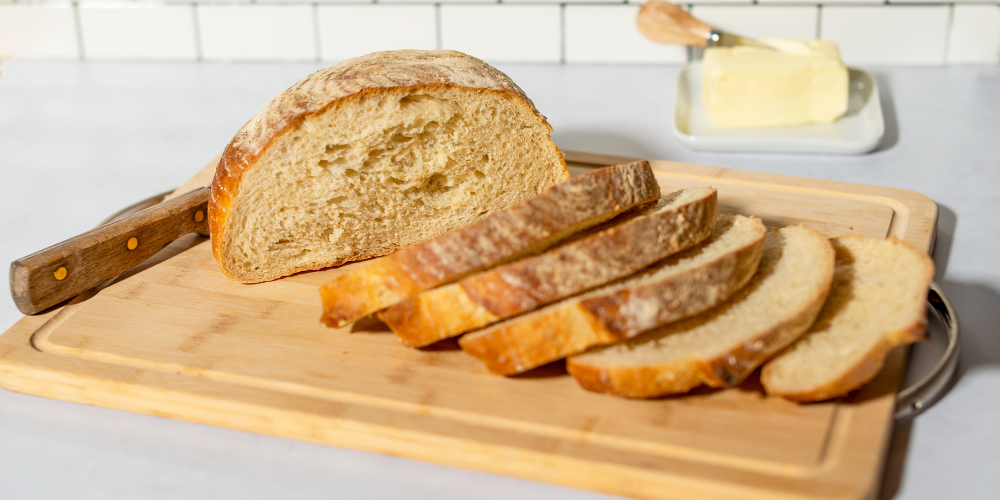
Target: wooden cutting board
175 338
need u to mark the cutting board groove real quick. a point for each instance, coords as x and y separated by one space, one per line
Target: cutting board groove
175 338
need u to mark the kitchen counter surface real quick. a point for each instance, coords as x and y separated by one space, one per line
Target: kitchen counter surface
78 141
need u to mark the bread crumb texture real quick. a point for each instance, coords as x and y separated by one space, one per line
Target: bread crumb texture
373 154
877 302
509 234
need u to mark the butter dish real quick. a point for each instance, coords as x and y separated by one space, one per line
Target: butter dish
859 131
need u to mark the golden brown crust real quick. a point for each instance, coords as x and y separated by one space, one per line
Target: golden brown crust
351 292
732 368
353 78
639 383
527 284
861 373
503 236
680 298
572 326
677 376
531 341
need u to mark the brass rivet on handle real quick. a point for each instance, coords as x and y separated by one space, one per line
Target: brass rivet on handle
61 273
132 243
199 216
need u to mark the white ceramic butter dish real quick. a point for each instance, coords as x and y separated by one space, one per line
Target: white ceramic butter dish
859 131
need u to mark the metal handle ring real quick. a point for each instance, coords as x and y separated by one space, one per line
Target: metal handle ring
913 400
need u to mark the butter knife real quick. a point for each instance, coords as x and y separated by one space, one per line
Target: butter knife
665 22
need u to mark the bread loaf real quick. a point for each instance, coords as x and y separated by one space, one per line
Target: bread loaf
878 301
506 235
373 154
722 346
678 221
681 286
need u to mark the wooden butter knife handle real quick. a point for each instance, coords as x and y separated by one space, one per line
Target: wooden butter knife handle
665 22
63 271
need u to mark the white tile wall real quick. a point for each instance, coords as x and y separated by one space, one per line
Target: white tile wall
554 2
38 32
765 20
705 2
144 31
503 33
353 30
941 1
975 35
286 2
824 2
434 1
257 32
607 34
878 32
902 35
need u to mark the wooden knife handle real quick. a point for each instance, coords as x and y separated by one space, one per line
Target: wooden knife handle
665 22
63 271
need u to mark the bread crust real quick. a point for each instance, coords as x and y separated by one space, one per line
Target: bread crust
503 236
405 70
529 283
860 374
572 326
728 369
866 368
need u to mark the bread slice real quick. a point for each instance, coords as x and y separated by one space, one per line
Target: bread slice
681 286
722 346
678 221
878 301
506 235
373 154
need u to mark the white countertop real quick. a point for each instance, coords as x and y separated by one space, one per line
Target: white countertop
79 141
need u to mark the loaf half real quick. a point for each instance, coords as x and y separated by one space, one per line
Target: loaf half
722 346
506 235
678 221
681 286
373 154
878 301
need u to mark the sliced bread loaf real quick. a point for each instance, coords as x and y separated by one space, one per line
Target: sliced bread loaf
506 235
678 221
681 286
878 301
373 154
720 347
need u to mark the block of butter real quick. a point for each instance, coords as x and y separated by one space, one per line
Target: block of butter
802 82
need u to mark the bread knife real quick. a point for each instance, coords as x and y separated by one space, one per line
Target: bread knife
65 270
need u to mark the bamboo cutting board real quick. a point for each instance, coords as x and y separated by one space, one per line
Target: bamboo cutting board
175 338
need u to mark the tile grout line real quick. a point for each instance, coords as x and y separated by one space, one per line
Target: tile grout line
947 34
198 54
437 27
79 31
689 50
562 33
316 40
819 21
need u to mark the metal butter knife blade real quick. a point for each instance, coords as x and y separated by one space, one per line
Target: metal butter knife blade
724 39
